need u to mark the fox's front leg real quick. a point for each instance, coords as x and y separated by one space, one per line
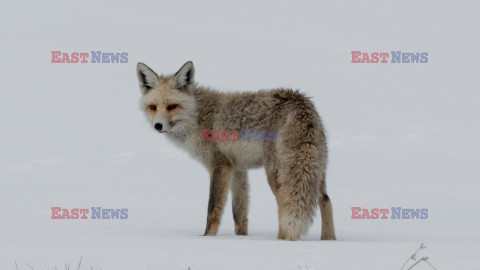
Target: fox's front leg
219 183
239 188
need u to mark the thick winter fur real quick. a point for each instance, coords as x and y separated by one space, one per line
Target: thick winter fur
295 163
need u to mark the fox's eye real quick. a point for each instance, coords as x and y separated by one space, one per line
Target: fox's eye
152 107
171 107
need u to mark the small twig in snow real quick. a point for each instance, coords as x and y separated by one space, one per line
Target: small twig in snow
29 266
430 264
413 257
79 263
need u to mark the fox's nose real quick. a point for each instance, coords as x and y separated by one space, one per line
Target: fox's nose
158 126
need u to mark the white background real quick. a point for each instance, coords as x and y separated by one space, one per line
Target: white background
72 135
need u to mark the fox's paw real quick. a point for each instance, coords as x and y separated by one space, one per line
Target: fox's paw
210 231
328 237
241 231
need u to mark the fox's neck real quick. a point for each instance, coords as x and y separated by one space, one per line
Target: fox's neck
182 135
189 138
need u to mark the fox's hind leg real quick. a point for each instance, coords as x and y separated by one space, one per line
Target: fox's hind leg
271 169
219 182
239 187
328 231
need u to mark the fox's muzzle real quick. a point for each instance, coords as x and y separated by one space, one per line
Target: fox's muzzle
158 127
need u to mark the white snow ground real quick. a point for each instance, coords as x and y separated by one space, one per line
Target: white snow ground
72 135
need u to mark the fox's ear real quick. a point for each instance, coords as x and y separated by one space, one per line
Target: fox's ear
184 76
146 78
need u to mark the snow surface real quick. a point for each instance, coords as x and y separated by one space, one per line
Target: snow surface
72 135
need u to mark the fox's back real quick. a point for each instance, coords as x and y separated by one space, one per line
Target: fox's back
260 118
262 110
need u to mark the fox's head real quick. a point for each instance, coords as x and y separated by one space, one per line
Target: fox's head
168 101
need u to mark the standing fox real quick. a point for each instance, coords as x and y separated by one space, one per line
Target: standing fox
295 162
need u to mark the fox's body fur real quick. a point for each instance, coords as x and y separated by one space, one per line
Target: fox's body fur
295 163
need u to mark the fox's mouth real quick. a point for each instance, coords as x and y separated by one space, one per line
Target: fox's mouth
173 124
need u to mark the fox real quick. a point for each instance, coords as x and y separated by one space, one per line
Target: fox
295 162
